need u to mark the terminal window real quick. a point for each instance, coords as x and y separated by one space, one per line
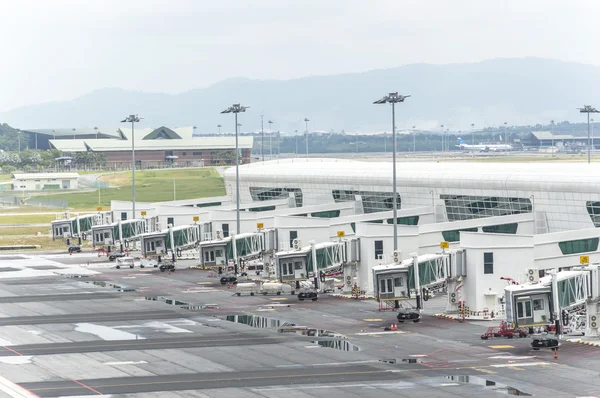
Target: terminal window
579 246
488 263
463 207
378 249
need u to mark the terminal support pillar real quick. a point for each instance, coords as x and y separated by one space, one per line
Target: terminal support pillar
172 241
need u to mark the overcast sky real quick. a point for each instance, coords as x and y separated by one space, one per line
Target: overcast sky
61 49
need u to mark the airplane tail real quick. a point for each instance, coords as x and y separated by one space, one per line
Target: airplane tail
460 141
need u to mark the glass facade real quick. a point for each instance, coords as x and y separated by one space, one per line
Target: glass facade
593 209
372 201
579 246
261 194
462 207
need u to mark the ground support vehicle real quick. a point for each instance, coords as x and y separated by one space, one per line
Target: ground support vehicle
504 330
544 340
167 266
125 262
308 295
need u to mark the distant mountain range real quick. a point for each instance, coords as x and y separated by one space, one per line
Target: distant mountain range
517 91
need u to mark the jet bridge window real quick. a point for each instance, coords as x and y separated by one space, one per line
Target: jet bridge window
385 286
398 282
524 309
538 305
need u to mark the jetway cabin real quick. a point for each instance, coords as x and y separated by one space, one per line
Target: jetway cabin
79 226
529 305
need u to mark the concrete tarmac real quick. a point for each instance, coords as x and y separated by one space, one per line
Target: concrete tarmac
94 317
143 344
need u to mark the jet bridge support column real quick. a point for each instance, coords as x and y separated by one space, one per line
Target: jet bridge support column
555 303
313 249
235 255
415 258
120 228
172 242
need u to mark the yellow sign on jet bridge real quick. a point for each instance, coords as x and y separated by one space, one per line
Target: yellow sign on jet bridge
444 245
99 208
584 259
143 213
340 234
260 225
196 218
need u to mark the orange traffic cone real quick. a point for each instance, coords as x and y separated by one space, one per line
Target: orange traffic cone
555 354
395 327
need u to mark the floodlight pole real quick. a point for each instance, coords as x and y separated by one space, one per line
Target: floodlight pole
394 98
552 132
472 140
270 140
443 147
132 119
235 109
262 133
414 139
306 123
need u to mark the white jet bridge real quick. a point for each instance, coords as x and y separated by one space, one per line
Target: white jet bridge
173 239
317 261
558 300
235 248
122 232
78 226
397 281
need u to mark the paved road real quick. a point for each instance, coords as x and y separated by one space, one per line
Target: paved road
128 385
143 344
97 317
58 297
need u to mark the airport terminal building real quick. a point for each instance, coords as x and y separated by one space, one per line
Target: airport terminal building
562 197
158 147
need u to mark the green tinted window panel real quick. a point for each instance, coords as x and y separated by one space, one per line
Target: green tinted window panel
579 246
326 214
410 220
501 229
454 236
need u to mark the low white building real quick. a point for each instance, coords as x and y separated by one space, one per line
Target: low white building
44 181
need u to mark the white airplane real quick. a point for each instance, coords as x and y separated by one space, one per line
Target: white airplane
484 147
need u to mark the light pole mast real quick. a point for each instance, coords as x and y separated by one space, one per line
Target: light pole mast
235 109
473 140
552 133
442 127
132 119
270 140
414 139
306 122
262 134
588 109
394 98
